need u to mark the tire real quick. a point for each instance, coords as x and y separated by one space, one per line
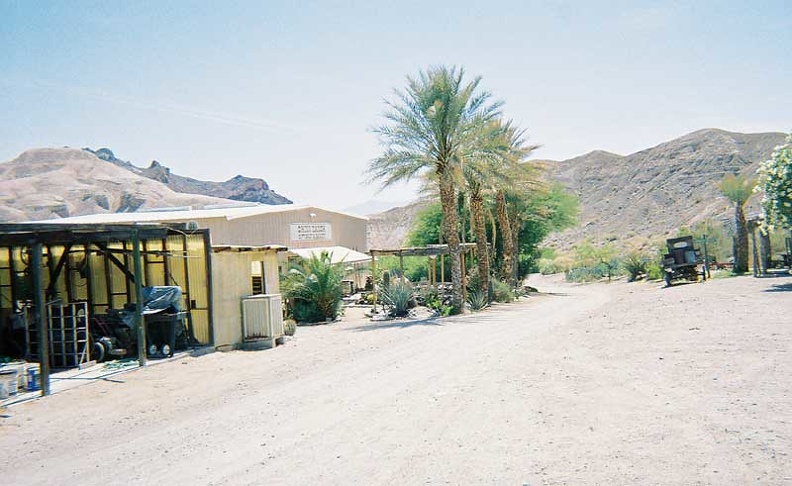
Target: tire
98 352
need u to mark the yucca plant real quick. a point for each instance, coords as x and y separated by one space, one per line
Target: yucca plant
477 299
398 297
635 265
313 288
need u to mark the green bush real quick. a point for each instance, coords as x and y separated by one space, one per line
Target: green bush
550 266
433 300
594 272
398 298
501 291
654 271
415 268
635 265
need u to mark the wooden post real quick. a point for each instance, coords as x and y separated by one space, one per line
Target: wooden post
442 268
207 248
139 322
706 259
464 274
401 263
765 250
41 327
755 251
374 281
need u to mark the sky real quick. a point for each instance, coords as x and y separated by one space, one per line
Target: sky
289 91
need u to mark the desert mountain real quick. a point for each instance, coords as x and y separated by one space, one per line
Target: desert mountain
644 195
51 183
238 188
388 230
654 192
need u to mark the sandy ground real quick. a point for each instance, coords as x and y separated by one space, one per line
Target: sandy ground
588 384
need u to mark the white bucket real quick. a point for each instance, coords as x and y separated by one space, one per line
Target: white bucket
20 366
8 379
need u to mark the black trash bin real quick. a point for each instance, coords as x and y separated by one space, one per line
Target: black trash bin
162 329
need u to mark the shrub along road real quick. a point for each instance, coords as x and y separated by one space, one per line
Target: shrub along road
588 384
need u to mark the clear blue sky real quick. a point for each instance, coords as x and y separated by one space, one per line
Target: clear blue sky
287 91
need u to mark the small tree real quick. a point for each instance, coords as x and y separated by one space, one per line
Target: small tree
775 179
314 289
738 188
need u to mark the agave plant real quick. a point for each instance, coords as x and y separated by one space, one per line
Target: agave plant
398 297
477 299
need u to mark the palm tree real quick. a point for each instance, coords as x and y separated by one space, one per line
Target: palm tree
477 175
313 288
520 178
738 188
433 125
499 167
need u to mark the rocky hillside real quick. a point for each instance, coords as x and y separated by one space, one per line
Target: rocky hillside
52 183
238 188
632 198
388 230
653 192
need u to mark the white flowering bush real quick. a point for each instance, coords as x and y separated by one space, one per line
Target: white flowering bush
775 180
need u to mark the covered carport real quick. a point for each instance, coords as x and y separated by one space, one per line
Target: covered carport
98 267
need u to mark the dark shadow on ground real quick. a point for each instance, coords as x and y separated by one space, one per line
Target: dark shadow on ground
787 287
677 283
397 324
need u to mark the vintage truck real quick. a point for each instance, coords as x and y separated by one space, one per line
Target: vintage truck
683 261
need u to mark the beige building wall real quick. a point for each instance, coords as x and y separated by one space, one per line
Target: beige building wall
280 228
232 280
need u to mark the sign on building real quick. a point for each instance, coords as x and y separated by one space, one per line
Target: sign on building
310 231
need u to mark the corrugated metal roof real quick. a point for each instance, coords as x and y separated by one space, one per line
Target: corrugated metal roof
190 214
244 248
338 254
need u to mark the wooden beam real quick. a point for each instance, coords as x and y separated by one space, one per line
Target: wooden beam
58 268
41 326
118 263
141 327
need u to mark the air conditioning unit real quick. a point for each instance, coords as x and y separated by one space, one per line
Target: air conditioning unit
262 317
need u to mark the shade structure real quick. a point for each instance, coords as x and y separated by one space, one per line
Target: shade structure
338 254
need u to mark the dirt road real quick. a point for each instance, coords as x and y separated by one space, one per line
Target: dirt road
590 384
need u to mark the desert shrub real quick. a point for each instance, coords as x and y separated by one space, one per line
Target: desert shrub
635 265
598 271
654 271
550 267
289 327
398 298
477 300
415 269
501 291
313 289
433 299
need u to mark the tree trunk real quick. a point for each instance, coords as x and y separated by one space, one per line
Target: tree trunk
450 222
508 242
479 226
765 250
515 230
741 246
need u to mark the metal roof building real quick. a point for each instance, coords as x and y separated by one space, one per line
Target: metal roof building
290 225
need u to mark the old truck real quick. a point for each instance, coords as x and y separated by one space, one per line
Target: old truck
683 261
